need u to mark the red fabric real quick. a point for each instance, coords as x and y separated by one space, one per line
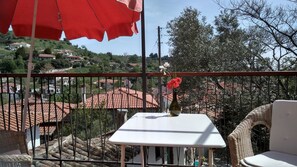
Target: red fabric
6 14
47 25
134 5
77 18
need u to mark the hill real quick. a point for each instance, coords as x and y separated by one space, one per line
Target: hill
14 53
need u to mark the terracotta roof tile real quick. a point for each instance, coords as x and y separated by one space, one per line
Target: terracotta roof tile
46 55
91 151
121 98
45 112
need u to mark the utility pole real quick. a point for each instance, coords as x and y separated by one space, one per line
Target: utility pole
160 86
160 78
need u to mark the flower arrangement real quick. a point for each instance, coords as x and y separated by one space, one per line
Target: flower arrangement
172 85
164 67
174 82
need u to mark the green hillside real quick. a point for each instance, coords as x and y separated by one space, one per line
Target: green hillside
12 60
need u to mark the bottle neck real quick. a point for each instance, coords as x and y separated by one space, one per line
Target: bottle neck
174 95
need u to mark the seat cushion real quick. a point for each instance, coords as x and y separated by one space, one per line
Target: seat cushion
283 133
271 159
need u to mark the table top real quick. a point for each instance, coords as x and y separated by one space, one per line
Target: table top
160 129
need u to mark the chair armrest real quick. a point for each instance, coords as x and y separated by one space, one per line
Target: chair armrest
23 160
239 140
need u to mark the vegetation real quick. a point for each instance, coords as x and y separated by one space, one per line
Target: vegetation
90 62
89 123
268 43
272 34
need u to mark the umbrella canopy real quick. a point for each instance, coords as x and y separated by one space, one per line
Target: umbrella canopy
77 18
47 19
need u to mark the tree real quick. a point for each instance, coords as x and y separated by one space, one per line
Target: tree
231 51
59 56
278 24
257 48
47 51
7 66
6 38
153 55
47 67
20 63
109 54
58 64
21 52
44 66
89 123
191 40
67 41
95 69
133 59
135 69
272 34
35 53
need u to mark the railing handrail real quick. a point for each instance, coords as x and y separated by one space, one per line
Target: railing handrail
220 95
151 74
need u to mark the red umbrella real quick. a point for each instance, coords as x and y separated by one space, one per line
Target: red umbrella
77 18
47 19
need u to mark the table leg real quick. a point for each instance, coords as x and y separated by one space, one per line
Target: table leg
200 154
123 155
210 157
142 156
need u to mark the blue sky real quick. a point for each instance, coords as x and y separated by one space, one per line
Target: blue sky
157 13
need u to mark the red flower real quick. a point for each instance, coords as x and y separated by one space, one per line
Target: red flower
174 83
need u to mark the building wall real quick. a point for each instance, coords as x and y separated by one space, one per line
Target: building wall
37 137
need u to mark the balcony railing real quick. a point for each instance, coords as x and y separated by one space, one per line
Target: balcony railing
71 116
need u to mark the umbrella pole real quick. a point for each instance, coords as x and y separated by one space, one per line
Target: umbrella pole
29 70
144 81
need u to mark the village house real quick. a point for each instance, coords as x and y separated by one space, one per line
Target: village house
74 58
43 120
64 52
46 56
105 83
16 45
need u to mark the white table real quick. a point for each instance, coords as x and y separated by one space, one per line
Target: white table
160 129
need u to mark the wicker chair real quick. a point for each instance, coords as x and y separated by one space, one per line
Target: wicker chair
240 139
13 149
280 118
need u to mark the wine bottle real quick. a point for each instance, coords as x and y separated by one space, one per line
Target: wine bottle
174 108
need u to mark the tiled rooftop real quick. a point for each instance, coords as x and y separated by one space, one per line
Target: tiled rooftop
121 98
75 148
45 112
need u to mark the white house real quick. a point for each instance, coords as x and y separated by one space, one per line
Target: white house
16 45
36 135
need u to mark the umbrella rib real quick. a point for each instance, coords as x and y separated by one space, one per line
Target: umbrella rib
90 5
59 16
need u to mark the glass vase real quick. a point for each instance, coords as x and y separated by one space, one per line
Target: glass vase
174 108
